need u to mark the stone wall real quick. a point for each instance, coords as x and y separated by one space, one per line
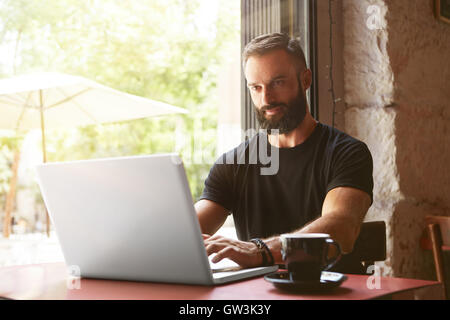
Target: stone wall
397 97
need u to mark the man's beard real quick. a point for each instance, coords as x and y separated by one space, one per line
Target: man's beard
293 113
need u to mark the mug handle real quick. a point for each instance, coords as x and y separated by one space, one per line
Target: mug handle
331 262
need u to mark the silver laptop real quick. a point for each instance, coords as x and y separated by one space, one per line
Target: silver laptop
130 218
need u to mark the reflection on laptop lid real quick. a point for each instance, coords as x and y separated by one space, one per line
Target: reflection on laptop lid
130 218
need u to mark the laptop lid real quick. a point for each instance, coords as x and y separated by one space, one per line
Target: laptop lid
129 218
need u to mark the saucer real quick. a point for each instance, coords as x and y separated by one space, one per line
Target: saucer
328 280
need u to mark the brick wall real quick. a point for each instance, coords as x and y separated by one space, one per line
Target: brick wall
397 100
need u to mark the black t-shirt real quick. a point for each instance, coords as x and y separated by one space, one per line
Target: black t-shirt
268 205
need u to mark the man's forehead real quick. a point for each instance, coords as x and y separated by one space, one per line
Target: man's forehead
275 64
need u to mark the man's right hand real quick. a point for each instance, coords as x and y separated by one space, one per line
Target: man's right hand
246 254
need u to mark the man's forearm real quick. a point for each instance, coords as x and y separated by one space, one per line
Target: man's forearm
211 216
342 230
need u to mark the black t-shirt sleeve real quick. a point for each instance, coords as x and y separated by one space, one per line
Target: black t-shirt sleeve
219 186
352 166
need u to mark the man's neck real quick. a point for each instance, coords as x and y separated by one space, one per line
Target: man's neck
296 136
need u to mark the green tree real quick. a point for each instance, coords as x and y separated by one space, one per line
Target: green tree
154 49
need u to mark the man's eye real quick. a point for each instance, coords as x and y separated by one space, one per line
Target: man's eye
255 88
278 83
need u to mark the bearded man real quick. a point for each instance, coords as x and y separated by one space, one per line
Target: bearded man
324 179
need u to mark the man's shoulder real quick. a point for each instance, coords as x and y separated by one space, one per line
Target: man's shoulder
341 147
337 139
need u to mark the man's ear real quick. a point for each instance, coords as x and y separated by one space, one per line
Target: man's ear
306 79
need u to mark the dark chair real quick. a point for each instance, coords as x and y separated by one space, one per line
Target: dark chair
370 246
371 243
436 237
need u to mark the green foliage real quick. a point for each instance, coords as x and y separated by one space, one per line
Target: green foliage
154 49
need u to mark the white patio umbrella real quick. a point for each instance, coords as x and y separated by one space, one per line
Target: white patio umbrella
55 100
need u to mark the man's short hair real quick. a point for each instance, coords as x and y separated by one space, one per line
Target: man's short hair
274 41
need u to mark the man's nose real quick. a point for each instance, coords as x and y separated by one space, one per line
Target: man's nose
267 97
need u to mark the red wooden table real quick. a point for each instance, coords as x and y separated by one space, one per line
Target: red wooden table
51 281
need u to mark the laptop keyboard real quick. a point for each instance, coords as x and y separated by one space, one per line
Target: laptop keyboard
225 265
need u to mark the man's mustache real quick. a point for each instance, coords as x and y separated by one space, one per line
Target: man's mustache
273 106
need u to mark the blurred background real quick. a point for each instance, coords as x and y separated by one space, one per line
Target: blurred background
183 53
